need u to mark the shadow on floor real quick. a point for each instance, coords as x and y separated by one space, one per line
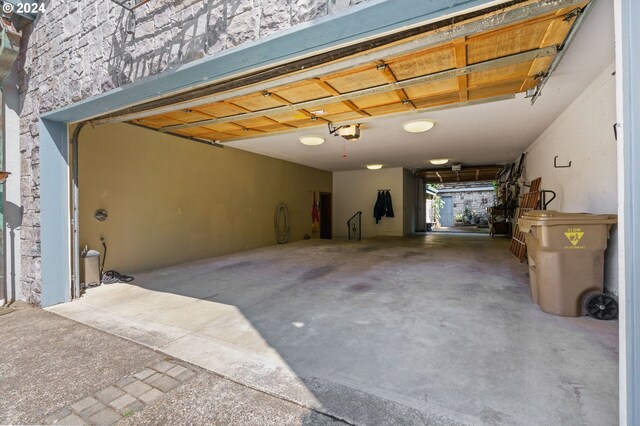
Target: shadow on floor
433 329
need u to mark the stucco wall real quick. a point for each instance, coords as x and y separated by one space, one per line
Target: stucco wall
357 190
583 134
81 48
170 200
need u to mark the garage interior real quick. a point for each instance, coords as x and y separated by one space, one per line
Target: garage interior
404 324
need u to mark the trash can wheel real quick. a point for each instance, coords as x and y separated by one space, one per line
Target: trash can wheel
601 306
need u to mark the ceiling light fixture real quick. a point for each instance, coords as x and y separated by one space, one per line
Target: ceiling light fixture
439 161
311 140
374 166
418 126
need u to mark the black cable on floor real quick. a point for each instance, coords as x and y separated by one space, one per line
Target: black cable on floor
112 277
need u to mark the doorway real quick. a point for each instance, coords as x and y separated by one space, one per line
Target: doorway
325 215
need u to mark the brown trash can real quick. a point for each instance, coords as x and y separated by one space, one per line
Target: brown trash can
566 257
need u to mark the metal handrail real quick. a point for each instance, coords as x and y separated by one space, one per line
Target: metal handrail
354 229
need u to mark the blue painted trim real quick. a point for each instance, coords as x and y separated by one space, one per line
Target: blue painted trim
328 32
55 247
630 60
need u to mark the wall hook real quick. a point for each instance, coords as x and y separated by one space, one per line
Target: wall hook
555 163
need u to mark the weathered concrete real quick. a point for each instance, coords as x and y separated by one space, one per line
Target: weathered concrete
53 370
427 328
48 363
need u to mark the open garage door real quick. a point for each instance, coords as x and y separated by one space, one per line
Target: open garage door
484 55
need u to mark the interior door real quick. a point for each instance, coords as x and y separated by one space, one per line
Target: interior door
325 215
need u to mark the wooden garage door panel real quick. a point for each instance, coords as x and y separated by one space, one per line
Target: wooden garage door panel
222 127
377 100
287 116
442 99
257 102
254 122
261 111
220 109
216 136
336 108
274 127
497 89
302 92
187 116
194 131
502 43
345 116
245 132
434 88
388 109
510 72
307 122
423 63
158 121
358 80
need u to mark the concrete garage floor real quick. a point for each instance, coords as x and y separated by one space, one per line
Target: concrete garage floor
430 329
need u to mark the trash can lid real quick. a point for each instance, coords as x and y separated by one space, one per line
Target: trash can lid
552 217
91 253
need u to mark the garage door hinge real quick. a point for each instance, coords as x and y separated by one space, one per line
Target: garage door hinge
573 14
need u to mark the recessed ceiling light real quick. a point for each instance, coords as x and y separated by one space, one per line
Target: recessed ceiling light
311 140
418 126
374 166
439 161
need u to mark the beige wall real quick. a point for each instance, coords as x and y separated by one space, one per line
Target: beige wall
357 191
170 200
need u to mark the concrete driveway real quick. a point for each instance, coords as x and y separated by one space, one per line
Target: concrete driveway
54 370
436 329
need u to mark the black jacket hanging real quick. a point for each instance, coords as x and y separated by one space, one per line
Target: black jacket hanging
378 208
388 205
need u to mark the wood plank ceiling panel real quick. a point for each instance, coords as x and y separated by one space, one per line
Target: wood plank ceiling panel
276 110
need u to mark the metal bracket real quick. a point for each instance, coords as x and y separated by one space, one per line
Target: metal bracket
555 163
573 14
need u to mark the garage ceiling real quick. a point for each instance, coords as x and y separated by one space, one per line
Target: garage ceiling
504 60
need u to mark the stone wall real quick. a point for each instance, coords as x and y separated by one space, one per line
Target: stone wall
81 48
475 201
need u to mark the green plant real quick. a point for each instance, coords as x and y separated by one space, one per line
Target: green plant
438 204
128 413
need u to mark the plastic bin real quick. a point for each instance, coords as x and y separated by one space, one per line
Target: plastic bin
90 268
566 257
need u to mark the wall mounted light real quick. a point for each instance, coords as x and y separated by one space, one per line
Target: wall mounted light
311 140
418 126
374 166
439 161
